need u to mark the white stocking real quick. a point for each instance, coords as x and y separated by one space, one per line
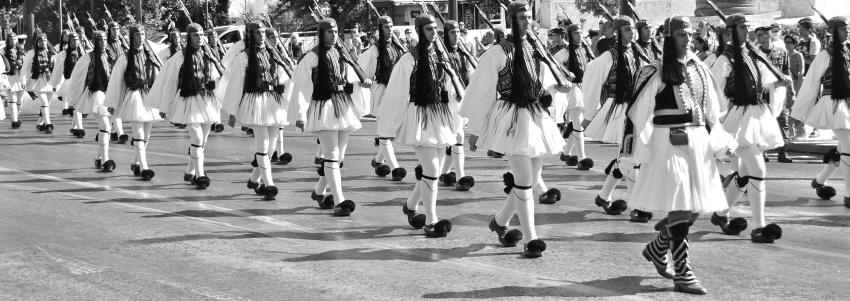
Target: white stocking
430 161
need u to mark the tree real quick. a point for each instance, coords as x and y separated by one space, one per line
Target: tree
294 15
592 6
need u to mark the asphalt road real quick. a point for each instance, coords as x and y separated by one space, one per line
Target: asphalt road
69 232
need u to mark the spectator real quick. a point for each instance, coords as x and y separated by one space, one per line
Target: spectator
809 44
797 127
779 58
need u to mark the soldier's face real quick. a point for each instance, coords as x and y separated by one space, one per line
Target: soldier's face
387 29
684 40
100 41
523 20
430 31
42 42
576 36
137 39
843 33
72 41
331 35
260 37
194 39
627 33
453 34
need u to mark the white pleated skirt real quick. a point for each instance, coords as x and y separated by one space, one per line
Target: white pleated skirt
378 91
16 82
753 125
575 98
202 108
559 107
828 113
133 109
521 131
262 109
609 123
335 114
679 177
427 128
91 103
41 84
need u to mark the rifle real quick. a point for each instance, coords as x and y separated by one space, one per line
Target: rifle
584 45
484 16
93 23
605 13
108 14
345 53
460 46
88 43
460 89
822 16
562 77
394 38
779 75
184 10
287 61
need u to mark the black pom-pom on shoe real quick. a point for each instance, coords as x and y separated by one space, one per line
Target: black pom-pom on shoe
108 166
327 202
564 157
219 128
284 159
439 229
585 164
147 174
399 173
638 216
375 163
344 209
612 208
465 183
202 182
48 128
80 133
767 234
383 170
448 179
123 139
551 196
187 177
271 193
508 238
824 192
534 248
414 219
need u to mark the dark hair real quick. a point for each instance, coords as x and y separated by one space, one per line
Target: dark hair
323 86
625 81
739 93
696 39
793 38
840 85
672 71
521 79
